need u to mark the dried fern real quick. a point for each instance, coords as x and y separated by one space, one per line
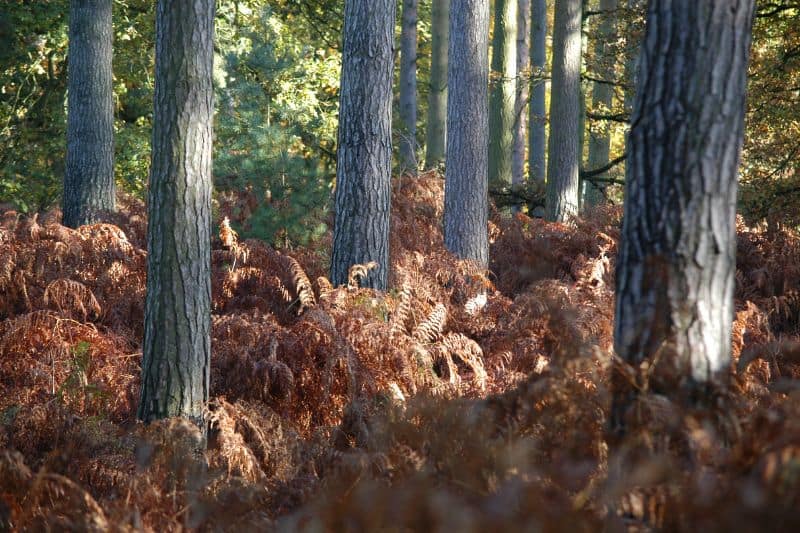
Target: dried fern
430 329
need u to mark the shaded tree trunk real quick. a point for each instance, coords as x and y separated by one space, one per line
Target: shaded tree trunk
602 99
437 95
408 87
89 175
537 135
364 162
177 342
675 273
504 90
633 44
563 153
523 76
466 202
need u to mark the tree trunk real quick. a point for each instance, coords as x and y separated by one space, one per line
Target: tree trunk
632 46
675 273
437 95
523 75
177 342
504 90
89 177
602 98
563 157
364 163
466 202
408 87
537 135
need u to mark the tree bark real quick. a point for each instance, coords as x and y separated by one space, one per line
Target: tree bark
437 95
466 202
537 135
504 89
675 273
364 162
563 155
632 46
408 87
89 176
602 98
177 342
523 77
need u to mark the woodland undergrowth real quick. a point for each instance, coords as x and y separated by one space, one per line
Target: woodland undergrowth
461 400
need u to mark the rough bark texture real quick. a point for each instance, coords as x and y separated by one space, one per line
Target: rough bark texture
523 76
437 95
364 164
537 135
89 178
504 91
466 202
177 343
602 98
408 87
563 152
675 273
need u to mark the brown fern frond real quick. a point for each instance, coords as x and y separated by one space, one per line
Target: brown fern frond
302 284
431 328
402 312
359 272
469 352
73 298
324 287
227 235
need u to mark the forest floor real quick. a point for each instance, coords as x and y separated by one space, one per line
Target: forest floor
431 407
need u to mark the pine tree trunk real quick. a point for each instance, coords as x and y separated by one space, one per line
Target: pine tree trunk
408 87
364 163
437 95
537 134
504 90
89 178
523 75
466 202
633 44
177 342
602 98
675 273
563 154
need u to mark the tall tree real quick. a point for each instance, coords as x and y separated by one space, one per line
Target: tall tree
632 45
177 342
563 152
675 273
523 77
602 97
364 163
466 202
408 86
504 89
437 93
537 140
89 177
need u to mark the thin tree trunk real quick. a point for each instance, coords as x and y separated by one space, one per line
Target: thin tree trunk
177 340
364 162
89 177
523 76
437 95
676 268
633 44
504 90
408 87
537 134
602 98
466 202
563 157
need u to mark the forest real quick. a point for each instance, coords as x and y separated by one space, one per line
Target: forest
400 265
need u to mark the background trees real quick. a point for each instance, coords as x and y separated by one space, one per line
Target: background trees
177 332
408 86
437 97
503 93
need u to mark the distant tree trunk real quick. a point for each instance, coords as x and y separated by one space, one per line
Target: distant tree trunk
675 272
602 98
563 157
633 44
89 178
408 87
504 90
364 162
537 135
523 75
177 342
437 95
466 202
